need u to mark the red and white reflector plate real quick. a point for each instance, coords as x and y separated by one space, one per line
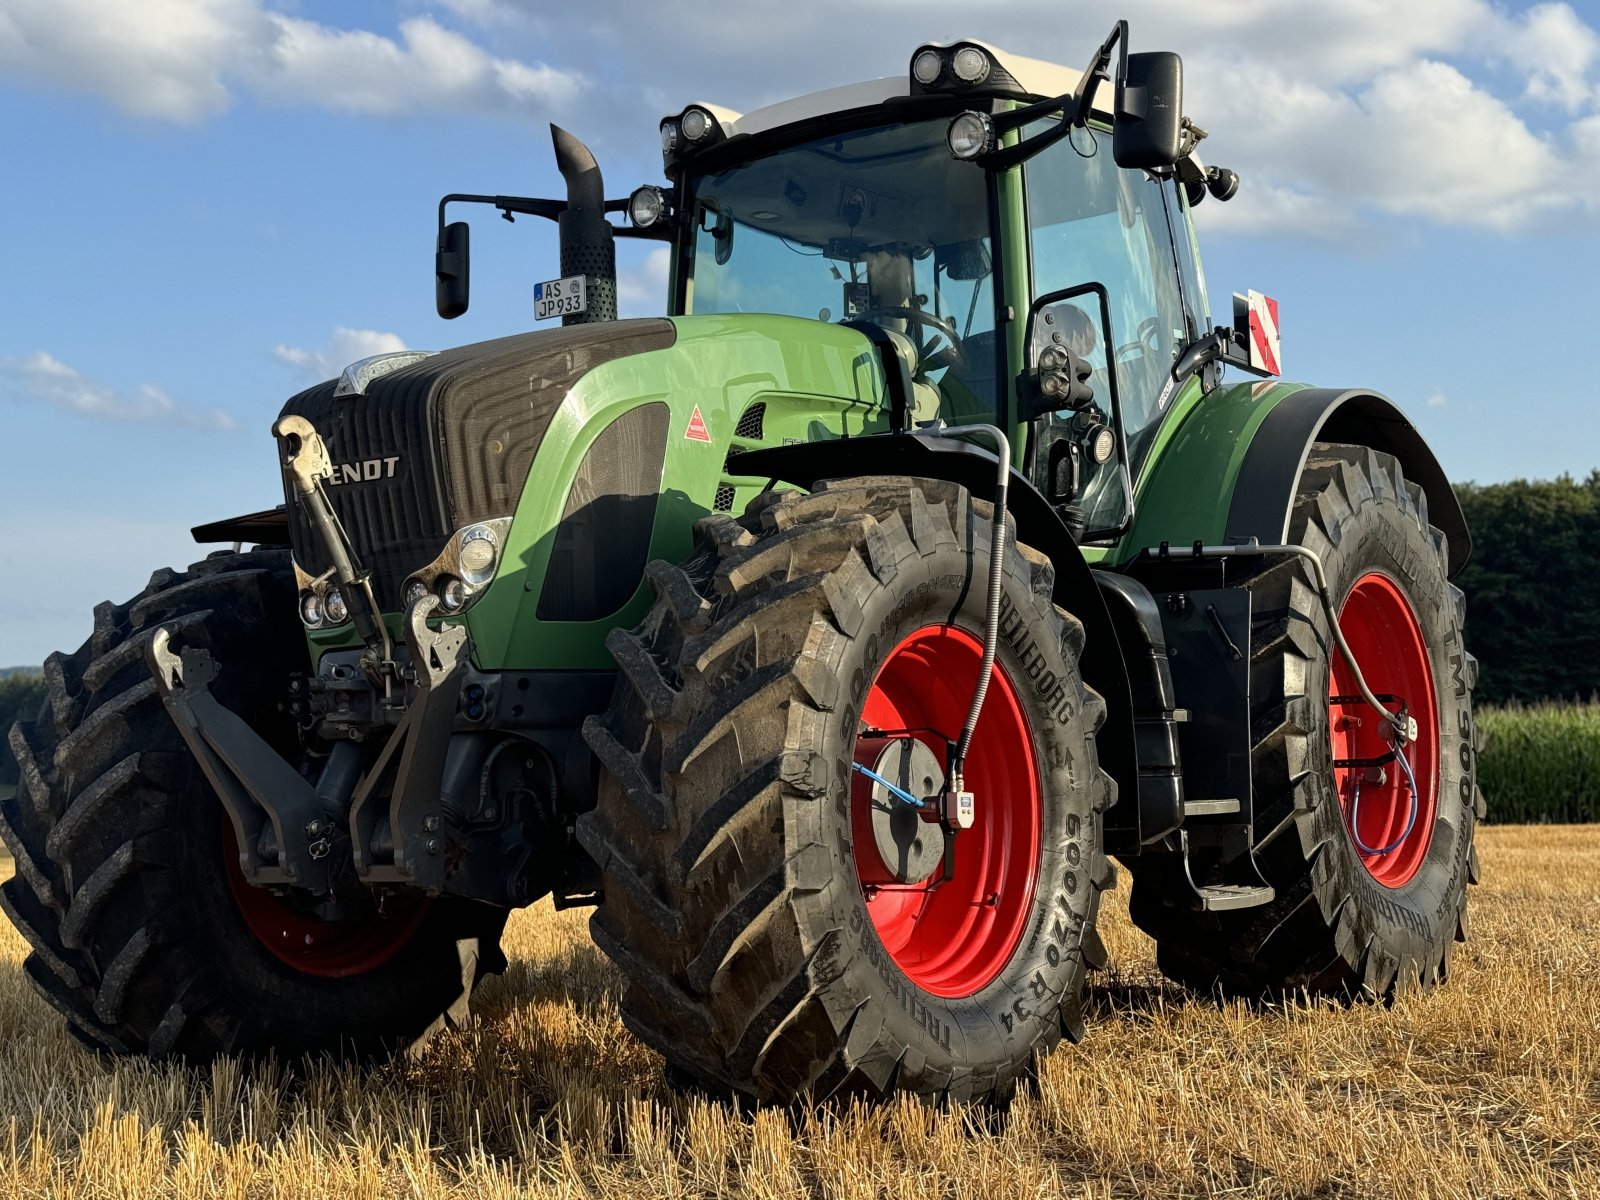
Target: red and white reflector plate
1259 314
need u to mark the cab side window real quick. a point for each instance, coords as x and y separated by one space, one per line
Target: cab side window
1091 222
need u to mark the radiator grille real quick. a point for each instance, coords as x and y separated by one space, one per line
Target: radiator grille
452 437
751 421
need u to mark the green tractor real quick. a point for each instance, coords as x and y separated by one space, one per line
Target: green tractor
830 635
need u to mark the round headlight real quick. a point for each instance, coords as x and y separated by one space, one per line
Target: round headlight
1053 384
311 610
971 65
477 555
646 206
415 590
669 136
1052 358
970 135
696 123
1101 444
926 67
334 608
452 593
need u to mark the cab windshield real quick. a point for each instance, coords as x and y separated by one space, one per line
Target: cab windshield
878 224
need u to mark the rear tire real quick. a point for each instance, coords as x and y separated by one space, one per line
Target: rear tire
1345 921
122 887
728 823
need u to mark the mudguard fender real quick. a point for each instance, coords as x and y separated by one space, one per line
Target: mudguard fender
1263 493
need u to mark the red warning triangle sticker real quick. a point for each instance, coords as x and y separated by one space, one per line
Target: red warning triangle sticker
697 431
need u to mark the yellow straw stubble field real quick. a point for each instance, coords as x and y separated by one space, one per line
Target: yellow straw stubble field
1488 1087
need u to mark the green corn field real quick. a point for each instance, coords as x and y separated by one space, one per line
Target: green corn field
1541 763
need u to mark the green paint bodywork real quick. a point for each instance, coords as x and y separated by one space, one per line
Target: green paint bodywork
817 380
1186 487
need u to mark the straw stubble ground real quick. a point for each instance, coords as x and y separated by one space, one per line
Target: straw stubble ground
1489 1087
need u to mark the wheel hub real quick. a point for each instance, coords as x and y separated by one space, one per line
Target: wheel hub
910 845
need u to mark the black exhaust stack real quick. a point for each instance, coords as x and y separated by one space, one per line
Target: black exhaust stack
587 247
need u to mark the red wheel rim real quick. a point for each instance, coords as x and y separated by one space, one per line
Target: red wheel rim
1381 627
327 949
953 937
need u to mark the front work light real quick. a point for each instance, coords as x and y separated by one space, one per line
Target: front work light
696 123
926 67
646 206
971 135
971 65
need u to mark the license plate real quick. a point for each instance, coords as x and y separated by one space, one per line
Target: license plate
560 298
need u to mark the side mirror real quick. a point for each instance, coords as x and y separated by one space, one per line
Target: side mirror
452 270
1147 132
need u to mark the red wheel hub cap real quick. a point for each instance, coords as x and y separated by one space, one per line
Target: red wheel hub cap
328 949
951 937
1386 639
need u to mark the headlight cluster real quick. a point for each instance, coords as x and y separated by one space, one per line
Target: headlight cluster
322 606
459 575
695 128
942 68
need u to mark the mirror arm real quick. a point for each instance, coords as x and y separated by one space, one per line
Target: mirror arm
527 205
1096 71
1082 104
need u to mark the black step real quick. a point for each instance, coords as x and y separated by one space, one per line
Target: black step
1222 897
1209 808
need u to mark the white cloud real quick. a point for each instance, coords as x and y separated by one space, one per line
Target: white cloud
154 58
1558 51
344 347
183 60
1437 399
43 378
430 69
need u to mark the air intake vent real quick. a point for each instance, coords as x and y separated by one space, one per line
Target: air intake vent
724 500
604 535
750 423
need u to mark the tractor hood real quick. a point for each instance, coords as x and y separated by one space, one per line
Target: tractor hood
446 441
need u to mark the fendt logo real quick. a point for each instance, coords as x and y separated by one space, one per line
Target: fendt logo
365 471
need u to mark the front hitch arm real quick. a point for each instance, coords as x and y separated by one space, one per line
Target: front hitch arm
414 755
254 783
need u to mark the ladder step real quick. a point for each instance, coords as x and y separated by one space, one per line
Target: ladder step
1209 808
1224 896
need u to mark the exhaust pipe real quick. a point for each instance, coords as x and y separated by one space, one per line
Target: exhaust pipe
587 247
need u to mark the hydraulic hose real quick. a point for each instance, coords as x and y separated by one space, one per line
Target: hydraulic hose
991 613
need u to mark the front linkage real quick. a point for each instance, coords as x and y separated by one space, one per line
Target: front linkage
407 817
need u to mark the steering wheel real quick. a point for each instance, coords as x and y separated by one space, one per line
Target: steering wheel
930 355
1147 340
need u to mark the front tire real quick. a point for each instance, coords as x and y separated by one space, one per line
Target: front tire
1370 897
771 948
144 935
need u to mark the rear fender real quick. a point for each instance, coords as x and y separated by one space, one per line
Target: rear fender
1263 494
1231 471
805 464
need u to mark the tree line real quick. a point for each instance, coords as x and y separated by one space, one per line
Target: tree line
1533 588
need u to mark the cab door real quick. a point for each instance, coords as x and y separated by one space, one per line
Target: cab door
1105 282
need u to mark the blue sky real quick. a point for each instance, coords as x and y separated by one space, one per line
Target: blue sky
213 203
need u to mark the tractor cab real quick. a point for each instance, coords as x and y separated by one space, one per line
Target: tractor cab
893 203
